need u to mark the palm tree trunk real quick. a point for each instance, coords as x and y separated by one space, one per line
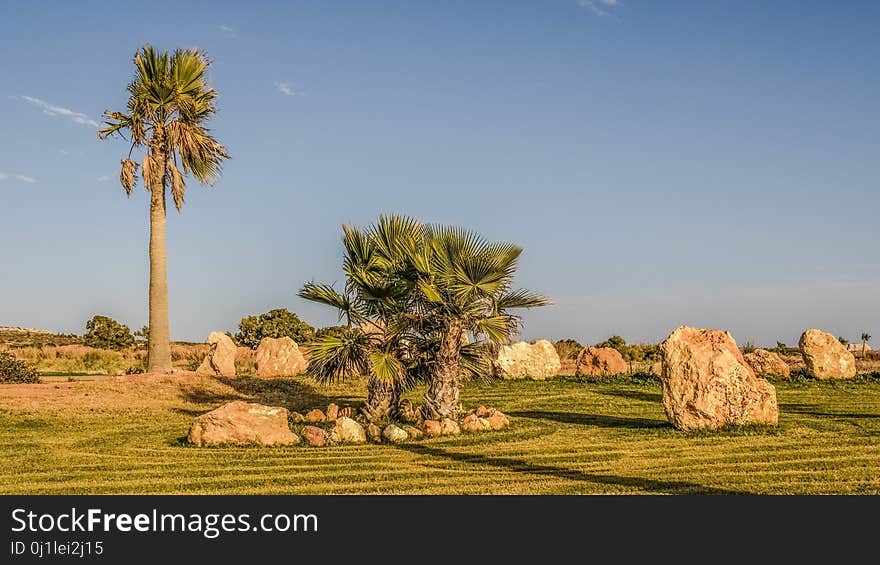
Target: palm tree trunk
159 352
382 400
442 396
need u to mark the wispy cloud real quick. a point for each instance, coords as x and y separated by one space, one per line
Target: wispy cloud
53 110
600 7
287 89
228 30
22 178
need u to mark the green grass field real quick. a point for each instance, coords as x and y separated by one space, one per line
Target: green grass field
566 437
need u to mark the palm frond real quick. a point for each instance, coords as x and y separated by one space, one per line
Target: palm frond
178 185
521 298
385 365
338 355
128 175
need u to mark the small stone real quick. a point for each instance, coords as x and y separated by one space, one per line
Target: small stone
484 412
497 421
314 436
374 432
414 432
449 427
471 423
394 434
315 416
346 430
332 412
296 417
432 428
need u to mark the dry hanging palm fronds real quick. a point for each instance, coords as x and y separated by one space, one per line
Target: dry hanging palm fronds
149 172
128 175
178 186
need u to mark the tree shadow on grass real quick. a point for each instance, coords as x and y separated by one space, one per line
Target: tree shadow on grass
594 420
521 466
815 410
634 395
290 393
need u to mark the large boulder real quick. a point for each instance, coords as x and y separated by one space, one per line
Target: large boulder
768 363
220 360
825 357
242 423
279 357
519 360
708 384
602 361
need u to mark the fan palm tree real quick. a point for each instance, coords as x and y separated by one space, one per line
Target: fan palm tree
169 102
464 286
376 305
866 337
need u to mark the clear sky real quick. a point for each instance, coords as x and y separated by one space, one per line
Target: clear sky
662 163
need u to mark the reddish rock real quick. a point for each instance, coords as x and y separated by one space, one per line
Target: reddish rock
315 416
600 361
314 436
432 428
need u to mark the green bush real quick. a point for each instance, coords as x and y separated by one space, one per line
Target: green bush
275 323
14 370
568 348
106 333
633 352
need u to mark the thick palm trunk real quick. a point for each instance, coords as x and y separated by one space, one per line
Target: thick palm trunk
159 353
441 398
382 400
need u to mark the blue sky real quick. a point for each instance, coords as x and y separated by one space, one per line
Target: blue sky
662 163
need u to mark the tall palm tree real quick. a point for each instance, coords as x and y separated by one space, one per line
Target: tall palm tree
866 337
376 304
169 102
465 284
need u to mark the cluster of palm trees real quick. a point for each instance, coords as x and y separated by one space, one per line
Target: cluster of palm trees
421 303
414 295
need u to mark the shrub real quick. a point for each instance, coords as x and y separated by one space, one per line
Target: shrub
568 348
14 370
749 347
275 323
106 333
633 352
